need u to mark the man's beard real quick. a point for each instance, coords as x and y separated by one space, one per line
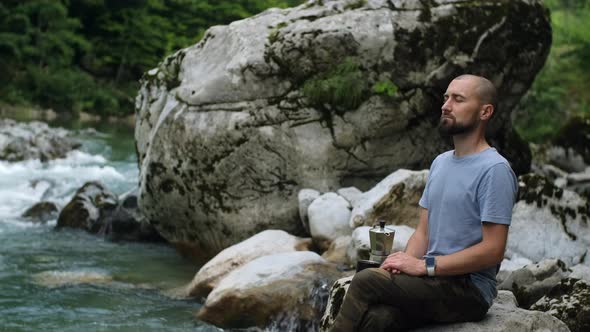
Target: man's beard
448 127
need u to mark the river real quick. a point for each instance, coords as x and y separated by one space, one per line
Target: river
69 280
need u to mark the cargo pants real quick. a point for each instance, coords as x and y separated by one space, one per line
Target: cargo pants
378 300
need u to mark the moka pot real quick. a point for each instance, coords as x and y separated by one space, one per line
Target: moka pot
381 239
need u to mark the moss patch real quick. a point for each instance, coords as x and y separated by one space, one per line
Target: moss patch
344 87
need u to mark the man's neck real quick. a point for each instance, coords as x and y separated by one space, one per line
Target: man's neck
470 143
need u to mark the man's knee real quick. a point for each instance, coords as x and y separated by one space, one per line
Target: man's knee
368 276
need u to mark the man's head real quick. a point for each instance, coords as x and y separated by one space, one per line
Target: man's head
469 103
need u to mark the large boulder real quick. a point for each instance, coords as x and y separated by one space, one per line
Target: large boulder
549 222
503 316
33 140
570 302
262 244
326 95
267 288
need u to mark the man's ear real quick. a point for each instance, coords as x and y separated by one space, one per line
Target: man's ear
486 111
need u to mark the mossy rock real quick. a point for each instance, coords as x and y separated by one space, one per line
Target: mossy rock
575 134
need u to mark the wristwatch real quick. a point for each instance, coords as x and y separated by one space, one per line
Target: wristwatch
430 265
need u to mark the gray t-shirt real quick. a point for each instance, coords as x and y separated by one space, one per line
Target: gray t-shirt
460 194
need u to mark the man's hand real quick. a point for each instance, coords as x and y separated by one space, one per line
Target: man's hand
401 262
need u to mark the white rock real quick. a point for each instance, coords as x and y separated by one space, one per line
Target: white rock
305 197
265 243
328 217
351 194
536 233
394 199
514 263
267 286
581 271
359 247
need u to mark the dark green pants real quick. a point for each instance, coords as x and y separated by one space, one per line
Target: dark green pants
380 301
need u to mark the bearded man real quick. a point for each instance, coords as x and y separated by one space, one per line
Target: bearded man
447 272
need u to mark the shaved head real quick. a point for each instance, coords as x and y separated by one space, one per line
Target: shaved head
486 91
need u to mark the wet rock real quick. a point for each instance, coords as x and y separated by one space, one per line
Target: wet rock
97 210
41 212
33 140
570 302
86 207
127 223
262 244
230 129
394 200
54 279
267 287
533 281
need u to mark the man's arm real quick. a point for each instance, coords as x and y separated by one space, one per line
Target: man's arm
487 253
418 242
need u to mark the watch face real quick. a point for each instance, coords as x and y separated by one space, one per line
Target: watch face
429 261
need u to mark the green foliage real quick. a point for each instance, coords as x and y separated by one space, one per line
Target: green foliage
560 90
385 87
355 5
88 55
343 87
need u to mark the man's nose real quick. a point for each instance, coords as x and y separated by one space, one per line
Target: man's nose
446 108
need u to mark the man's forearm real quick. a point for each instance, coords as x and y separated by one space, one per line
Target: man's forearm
475 258
417 245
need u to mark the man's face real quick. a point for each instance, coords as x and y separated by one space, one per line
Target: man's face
460 111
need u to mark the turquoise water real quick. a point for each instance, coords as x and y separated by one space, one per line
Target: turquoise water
72 281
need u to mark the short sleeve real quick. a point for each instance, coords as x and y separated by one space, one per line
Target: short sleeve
497 193
424 199
423 202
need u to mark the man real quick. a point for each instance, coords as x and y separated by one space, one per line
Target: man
448 270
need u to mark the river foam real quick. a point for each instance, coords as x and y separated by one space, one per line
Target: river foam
25 183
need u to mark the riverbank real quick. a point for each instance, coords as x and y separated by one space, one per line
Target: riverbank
30 113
